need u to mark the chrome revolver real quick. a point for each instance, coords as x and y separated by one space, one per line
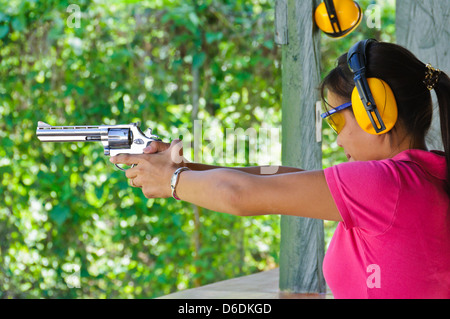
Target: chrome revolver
116 139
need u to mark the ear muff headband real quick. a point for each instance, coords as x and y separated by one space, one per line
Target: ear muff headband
332 15
337 18
373 101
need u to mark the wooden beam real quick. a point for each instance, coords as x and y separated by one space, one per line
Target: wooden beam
302 239
263 285
422 27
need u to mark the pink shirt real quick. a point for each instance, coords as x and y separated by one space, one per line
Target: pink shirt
394 241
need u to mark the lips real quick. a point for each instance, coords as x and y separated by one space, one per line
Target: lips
348 156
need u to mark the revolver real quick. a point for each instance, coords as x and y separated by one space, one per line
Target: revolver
116 139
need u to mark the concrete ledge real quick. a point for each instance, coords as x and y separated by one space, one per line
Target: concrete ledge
263 285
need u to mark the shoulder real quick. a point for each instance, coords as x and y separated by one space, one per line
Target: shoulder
366 193
371 174
409 162
421 162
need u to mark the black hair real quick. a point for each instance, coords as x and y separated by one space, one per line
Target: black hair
405 74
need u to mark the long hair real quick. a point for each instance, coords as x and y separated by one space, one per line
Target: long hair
405 74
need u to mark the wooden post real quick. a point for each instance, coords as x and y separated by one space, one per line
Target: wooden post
422 28
302 239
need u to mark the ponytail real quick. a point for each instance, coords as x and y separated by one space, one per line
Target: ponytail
442 89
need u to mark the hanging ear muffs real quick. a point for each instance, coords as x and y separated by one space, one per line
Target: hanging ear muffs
373 101
337 18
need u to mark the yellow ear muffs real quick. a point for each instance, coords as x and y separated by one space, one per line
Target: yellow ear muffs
386 105
337 18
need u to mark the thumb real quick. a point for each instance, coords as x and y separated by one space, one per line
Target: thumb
156 146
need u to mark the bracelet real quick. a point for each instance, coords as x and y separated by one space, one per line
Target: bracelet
174 181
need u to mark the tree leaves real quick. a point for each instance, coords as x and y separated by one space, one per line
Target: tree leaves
71 212
4 29
59 214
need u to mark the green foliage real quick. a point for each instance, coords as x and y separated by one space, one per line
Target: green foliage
68 218
70 225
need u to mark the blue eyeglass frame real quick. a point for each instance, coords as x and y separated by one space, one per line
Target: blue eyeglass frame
336 109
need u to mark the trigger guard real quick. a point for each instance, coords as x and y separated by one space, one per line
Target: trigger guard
123 169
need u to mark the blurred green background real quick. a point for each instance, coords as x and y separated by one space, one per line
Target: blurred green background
70 225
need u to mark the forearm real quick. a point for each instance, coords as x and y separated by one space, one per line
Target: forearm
242 191
256 170
213 189
304 194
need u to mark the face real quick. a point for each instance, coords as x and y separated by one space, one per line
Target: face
359 145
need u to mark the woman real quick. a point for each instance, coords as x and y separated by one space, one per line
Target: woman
391 199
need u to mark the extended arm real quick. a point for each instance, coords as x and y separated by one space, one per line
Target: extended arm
233 191
303 194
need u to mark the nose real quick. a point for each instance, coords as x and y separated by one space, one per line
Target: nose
339 141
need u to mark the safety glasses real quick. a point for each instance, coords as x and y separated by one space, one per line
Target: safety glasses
335 119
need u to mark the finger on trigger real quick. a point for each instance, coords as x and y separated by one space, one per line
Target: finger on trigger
126 159
118 159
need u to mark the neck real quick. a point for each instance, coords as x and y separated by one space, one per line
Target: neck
406 142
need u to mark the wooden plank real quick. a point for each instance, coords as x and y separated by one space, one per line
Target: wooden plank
302 239
263 285
281 36
422 27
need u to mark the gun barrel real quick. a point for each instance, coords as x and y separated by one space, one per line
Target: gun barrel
48 133
116 139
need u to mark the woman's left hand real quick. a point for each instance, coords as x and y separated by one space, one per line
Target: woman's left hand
152 172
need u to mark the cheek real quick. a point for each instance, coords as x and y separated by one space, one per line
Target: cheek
361 146
364 147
